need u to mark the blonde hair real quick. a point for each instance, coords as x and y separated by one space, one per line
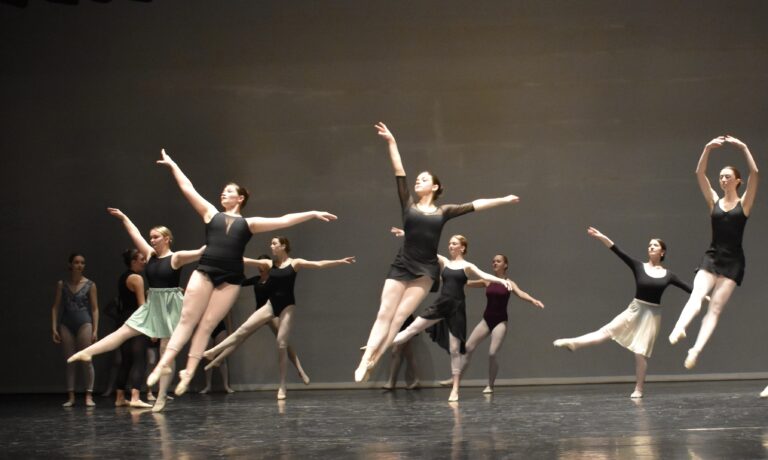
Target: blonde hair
463 241
165 231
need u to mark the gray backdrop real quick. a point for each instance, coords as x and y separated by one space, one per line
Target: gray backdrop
593 112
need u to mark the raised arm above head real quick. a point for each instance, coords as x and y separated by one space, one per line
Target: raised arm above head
394 153
266 224
595 233
138 241
748 198
201 205
487 203
303 263
710 196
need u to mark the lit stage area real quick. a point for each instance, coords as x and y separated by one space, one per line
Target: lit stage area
722 419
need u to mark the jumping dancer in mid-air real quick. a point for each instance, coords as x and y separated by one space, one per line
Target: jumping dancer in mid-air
215 284
415 268
447 317
282 304
722 267
636 327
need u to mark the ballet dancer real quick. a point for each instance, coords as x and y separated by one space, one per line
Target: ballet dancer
215 285
494 322
415 268
75 322
282 277
722 267
446 319
218 335
159 315
637 327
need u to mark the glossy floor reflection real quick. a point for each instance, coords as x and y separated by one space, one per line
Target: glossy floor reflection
675 420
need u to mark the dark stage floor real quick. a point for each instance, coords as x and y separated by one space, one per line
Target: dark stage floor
675 420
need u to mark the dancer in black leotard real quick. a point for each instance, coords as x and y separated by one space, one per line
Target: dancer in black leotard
494 322
282 277
637 327
722 267
415 268
75 321
214 286
446 319
159 315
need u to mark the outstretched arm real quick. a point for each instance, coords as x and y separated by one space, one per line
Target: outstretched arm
302 263
140 243
203 207
394 153
477 283
260 264
266 224
595 233
525 296
748 199
710 196
488 277
487 203
181 258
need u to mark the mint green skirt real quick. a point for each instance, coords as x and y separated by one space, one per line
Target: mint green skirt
160 314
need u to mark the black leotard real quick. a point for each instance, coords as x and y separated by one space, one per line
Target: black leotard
451 309
281 282
225 239
725 255
160 273
418 255
261 289
128 303
647 288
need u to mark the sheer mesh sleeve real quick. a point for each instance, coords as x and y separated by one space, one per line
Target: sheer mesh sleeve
455 210
402 192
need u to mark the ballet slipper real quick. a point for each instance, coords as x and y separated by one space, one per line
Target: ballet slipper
210 354
564 343
205 390
139 404
121 403
389 386
487 390
156 373
415 385
690 360
363 372
764 393
89 399
446 382
184 379
676 336
229 390
454 397
281 394
637 394
304 377
159 405
151 397
80 356
69 403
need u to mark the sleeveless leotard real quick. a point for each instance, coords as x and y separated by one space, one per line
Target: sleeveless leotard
725 255
160 314
418 255
496 308
450 307
75 307
282 281
225 239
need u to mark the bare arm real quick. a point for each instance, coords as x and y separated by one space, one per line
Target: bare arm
55 313
595 233
266 224
748 199
140 243
710 196
302 263
181 258
525 296
487 203
260 264
201 205
487 276
477 283
94 298
394 153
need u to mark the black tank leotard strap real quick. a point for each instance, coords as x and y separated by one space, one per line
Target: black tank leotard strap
282 281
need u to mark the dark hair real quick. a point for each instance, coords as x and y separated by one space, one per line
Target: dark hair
284 241
129 255
663 247
436 181
736 174
73 255
242 191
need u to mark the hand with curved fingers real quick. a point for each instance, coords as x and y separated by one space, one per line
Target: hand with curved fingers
385 133
165 159
398 232
716 143
537 303
512 199
347 260
117 213
56 337
324 216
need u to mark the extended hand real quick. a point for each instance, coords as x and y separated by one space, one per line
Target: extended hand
384 132
325 216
